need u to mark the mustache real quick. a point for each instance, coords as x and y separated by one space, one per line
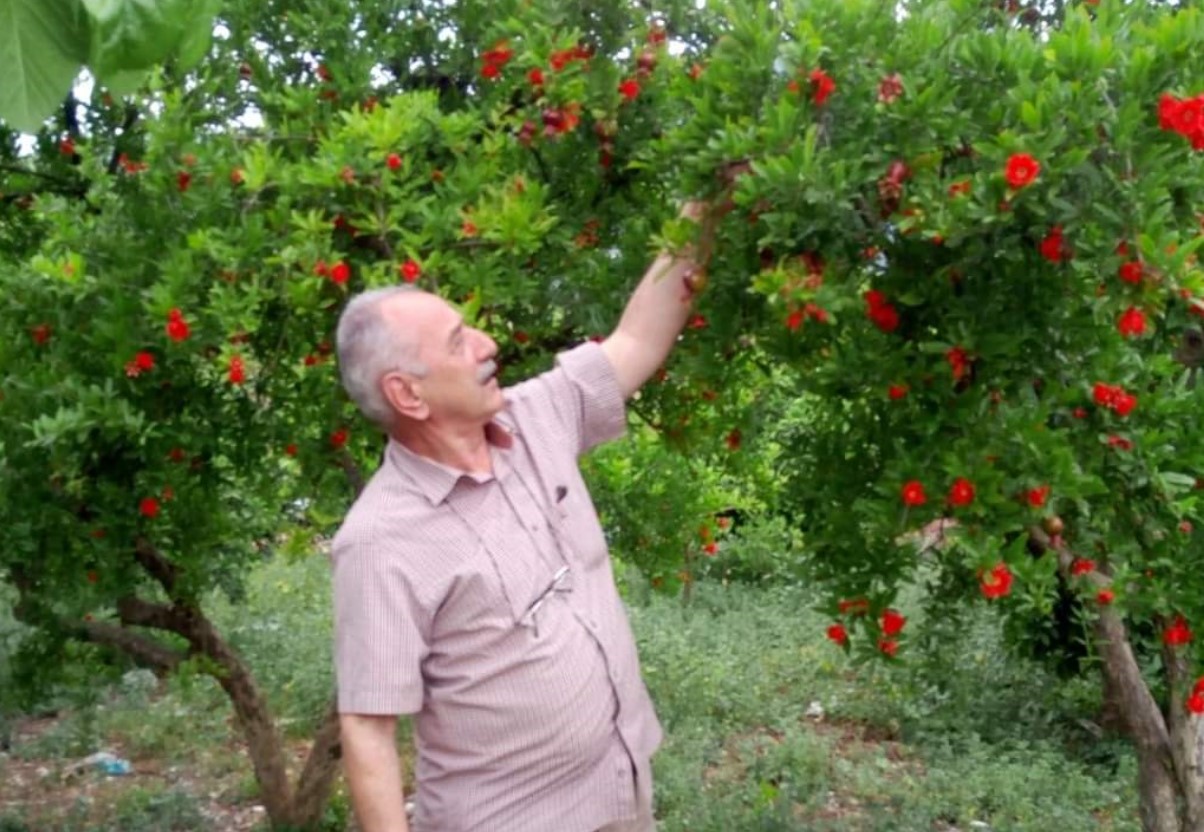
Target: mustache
487 371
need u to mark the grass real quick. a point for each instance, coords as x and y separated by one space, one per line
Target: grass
958 736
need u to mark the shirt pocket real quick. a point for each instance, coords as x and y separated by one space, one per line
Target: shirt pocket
577 523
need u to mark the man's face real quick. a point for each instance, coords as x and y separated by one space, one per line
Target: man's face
461 385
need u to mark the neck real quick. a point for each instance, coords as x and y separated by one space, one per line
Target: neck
465 449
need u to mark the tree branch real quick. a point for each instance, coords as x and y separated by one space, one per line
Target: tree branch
144 650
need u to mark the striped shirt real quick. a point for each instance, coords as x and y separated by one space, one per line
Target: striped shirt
485 604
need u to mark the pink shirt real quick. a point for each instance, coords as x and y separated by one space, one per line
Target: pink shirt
486 605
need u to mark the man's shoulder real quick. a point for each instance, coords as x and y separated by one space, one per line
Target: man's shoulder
392 523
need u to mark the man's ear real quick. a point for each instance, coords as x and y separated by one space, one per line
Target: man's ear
404 393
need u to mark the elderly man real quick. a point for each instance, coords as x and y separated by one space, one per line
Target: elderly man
472 582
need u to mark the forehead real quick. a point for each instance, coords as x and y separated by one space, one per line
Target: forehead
428 318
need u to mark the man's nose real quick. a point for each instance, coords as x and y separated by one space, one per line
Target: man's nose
486 346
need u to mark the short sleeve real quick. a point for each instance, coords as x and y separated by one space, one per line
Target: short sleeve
580 396
382 634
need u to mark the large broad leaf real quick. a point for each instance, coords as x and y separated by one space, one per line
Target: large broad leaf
132 35
198 33
42 44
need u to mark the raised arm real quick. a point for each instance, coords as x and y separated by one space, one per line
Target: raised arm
656 312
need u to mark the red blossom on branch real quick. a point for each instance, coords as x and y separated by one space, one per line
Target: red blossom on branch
892 623
961 493
1021 170
890 88
913 493
997 583
822 86
177 327
1177 634
1131 323
1037 496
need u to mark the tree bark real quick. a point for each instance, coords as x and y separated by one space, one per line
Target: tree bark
318 776
1159 787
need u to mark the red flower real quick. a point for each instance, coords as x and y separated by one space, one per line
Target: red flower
1021 170
794 320
854 606
1081 566
290 449
961 188
40 334
141 362
997 583
1195 703
1052 246
1105 394
1131 272
237 177
236 373
838 634
733 440
890 88
183 180
468 229
1185 526
339 272
1105 597
913 493
822 86
1131 322
697 322
535 76
886 317
149 507
410 271
880 312
888 646
1037 496
339 438
711 548
1120 443
393 161
1177 634
892 623
959 362
961 493
695 71
1079 413
629 89
67 147
323 72
177 327
1124 403
490 71
897 392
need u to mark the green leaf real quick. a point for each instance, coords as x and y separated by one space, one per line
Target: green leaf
123 83
138 34
198 34
42 44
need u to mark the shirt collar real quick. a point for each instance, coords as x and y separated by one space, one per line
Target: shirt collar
435 480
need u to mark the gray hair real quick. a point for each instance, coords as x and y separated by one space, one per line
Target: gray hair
369 346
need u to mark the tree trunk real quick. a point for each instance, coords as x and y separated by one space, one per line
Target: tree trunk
321 769
1157 785
1163 757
